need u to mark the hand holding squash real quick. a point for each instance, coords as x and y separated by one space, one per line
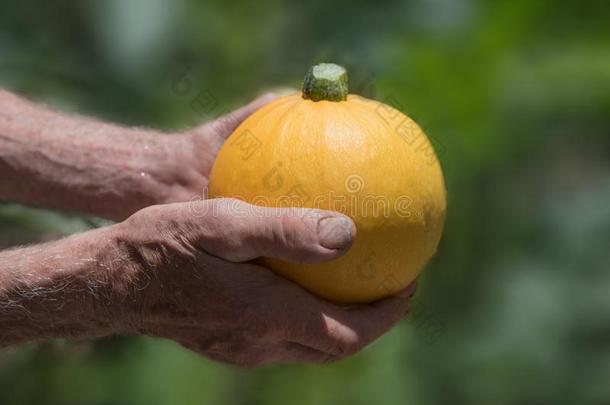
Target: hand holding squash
189 280
327 149
194 151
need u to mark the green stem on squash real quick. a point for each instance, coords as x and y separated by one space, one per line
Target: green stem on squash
326 81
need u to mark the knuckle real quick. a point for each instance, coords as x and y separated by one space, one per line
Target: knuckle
291 231
347 348
282 231
346 345
227 123
342 340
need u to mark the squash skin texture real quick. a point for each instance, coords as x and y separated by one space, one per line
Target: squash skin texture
359 157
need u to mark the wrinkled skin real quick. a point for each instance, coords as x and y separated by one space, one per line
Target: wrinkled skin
192 153
197 286
177 266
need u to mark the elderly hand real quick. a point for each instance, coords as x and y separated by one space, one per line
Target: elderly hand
193 152
75 163
181 271
191 281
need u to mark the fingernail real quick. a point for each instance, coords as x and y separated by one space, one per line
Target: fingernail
334 232
409 291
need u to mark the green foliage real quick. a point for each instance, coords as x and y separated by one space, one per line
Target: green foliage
516 96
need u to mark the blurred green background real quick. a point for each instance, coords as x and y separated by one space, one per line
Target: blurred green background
515 309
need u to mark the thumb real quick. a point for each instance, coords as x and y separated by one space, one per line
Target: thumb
237 231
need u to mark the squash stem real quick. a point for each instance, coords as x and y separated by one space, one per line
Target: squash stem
326 81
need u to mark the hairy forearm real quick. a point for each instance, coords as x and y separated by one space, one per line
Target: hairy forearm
73 163
65 288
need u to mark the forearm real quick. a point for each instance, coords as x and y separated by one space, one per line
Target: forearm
78 164
62 289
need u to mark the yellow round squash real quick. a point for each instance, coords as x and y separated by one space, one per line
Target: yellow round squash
329 150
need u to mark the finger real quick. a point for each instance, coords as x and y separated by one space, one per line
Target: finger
237 231
374 320
225 125
292 352
282 353
341 332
